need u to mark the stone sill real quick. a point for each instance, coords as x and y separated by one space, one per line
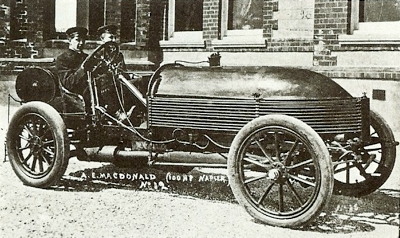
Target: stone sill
379 73
373 33
139 62
239 44
28 60
361 42
183 44
184 39
89 44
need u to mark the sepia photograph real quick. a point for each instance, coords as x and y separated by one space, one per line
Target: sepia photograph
199 118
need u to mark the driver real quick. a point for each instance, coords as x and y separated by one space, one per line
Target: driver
68 64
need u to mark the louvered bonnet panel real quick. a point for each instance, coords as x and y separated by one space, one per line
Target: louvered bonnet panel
231 114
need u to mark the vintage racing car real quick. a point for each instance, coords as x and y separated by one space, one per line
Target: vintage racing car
288 137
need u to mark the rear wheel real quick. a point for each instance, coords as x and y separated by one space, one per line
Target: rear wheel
280 171
38 145
377 158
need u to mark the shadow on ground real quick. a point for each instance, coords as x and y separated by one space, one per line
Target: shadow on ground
342 214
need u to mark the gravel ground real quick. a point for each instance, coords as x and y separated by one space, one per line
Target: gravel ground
107 210
31 212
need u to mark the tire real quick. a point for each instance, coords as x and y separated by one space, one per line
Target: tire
38 145
378 157
280 171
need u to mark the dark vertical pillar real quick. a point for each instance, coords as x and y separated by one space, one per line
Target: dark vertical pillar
49 18
82 16
14 26
96 16
156 30
128 20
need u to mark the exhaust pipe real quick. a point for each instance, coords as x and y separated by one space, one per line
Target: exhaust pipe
113 153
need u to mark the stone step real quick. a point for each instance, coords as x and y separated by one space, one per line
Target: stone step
135 54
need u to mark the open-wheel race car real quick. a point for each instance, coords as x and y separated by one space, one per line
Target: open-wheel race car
288 137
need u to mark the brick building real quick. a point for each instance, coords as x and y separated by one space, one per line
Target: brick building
356 42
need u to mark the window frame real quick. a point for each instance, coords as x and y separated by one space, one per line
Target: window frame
172 38
236 38
385 32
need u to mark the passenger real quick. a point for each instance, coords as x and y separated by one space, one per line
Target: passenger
108 86
68 64
109 33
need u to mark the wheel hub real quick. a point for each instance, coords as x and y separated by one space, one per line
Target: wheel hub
277 172
36 143
274 174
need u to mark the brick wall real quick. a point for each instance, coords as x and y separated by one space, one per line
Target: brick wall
210 19
4 20
4 28
143 22
269 7
26 29
330 20
13 66
28 36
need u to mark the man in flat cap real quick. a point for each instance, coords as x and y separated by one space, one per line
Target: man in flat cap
109 33
68 63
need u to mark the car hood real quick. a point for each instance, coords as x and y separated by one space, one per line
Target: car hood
265 82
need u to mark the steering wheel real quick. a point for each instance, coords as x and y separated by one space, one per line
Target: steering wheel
104 56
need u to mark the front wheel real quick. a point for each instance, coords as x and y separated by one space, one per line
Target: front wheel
37 144
280 171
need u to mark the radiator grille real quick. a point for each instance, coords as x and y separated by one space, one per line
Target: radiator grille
231 114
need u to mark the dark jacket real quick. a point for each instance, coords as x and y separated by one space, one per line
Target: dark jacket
68 68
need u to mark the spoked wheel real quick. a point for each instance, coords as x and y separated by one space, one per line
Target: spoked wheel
37 144
373 167
280 171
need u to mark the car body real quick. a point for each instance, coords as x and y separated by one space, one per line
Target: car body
288 137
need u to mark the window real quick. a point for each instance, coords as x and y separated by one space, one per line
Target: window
188 15
241 23
374 21
69 13
183 21
379 10
90 14
65 14
245 14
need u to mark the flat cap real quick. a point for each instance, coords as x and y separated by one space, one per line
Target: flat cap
112 29
81 31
